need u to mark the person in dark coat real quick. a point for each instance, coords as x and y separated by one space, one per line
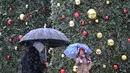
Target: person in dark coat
31 62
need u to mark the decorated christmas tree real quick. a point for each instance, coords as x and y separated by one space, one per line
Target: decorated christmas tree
102 25
17 17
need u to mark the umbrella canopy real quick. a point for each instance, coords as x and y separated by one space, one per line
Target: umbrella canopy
73 49
49 36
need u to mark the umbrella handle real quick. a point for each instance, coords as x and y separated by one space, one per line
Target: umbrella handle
45 54
46 47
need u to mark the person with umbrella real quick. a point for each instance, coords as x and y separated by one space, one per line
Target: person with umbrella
39 41
80 52
32 62
83 61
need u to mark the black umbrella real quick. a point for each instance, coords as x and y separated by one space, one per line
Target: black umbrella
48 36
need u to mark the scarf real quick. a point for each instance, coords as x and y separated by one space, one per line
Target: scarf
86 57
41 49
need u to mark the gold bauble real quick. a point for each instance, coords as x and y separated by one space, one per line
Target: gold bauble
107 2
58 4
123 57
77 2
99 35
75 68
104 66
92 14
110 42
98 51
22 17
71 23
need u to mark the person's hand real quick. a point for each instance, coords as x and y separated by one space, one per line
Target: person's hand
46 63
81 61
52 54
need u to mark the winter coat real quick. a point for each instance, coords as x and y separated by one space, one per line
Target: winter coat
31 61
83 65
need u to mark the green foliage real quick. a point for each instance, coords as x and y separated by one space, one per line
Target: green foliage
116 28
17 28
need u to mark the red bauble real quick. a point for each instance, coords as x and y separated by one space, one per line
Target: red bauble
84 33
8 57
10 9
20 37
9 21
43 10
115 67
62 71
11 40
82 23
63 16
106 17
30 16
76 14
125 11
129 40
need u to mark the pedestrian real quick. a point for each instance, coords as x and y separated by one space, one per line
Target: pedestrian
83 61
33 60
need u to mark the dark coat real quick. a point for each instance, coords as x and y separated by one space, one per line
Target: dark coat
31 61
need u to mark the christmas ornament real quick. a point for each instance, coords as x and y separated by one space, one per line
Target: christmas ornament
11 40
63 16
22 17
110 42
99 35
107 2
58 4
76 14
106 17
30 16
43 10
26 23
10 9
123 57
9 21
50 50
82 23
92 14
129 40
62 55
77 2
84 33
8 57
115 67
26 6
125 11
97 21
104 66
62 71
98 51
20 37
75 68
15 47
71 23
